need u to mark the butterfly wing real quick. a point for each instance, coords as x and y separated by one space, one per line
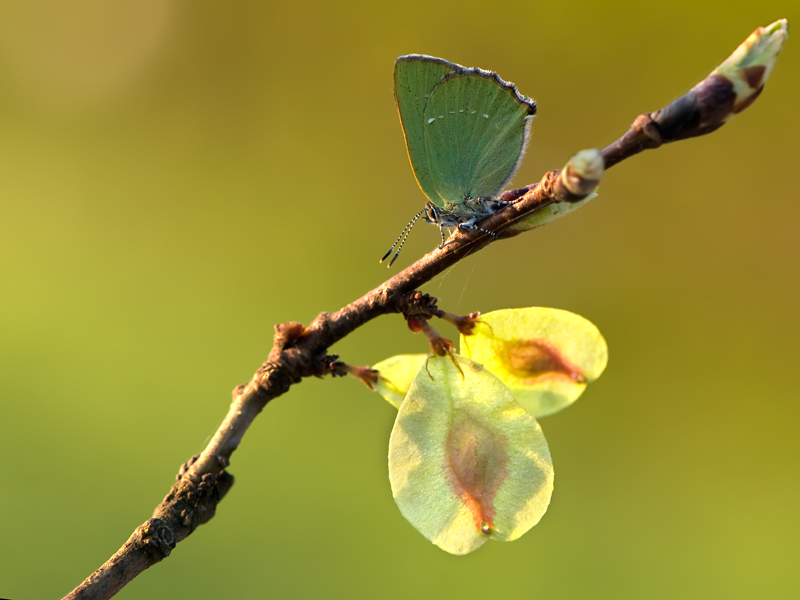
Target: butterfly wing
475 129
415 76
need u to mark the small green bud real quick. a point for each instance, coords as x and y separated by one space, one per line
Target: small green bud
751 64
583 172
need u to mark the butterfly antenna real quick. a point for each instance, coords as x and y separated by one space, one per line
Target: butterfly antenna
400 247
403 236
402 233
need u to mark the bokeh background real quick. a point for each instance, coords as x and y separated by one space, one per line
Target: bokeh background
176 178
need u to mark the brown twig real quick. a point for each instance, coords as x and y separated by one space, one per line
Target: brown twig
300 351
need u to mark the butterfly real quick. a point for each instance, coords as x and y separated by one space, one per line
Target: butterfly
466 131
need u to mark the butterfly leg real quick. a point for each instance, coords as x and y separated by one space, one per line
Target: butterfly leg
476 228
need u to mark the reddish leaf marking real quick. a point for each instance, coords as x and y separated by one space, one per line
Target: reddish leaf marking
475 465
531 360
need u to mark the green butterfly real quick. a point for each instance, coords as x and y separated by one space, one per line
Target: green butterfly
466 131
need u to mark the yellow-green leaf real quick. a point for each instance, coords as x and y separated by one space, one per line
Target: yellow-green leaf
466 461
545 356
395 376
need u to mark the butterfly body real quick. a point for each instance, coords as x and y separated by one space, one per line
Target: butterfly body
467 212
466 130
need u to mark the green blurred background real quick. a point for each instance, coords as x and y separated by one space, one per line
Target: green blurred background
176 178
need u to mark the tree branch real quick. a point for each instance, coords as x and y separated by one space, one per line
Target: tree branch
300 351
